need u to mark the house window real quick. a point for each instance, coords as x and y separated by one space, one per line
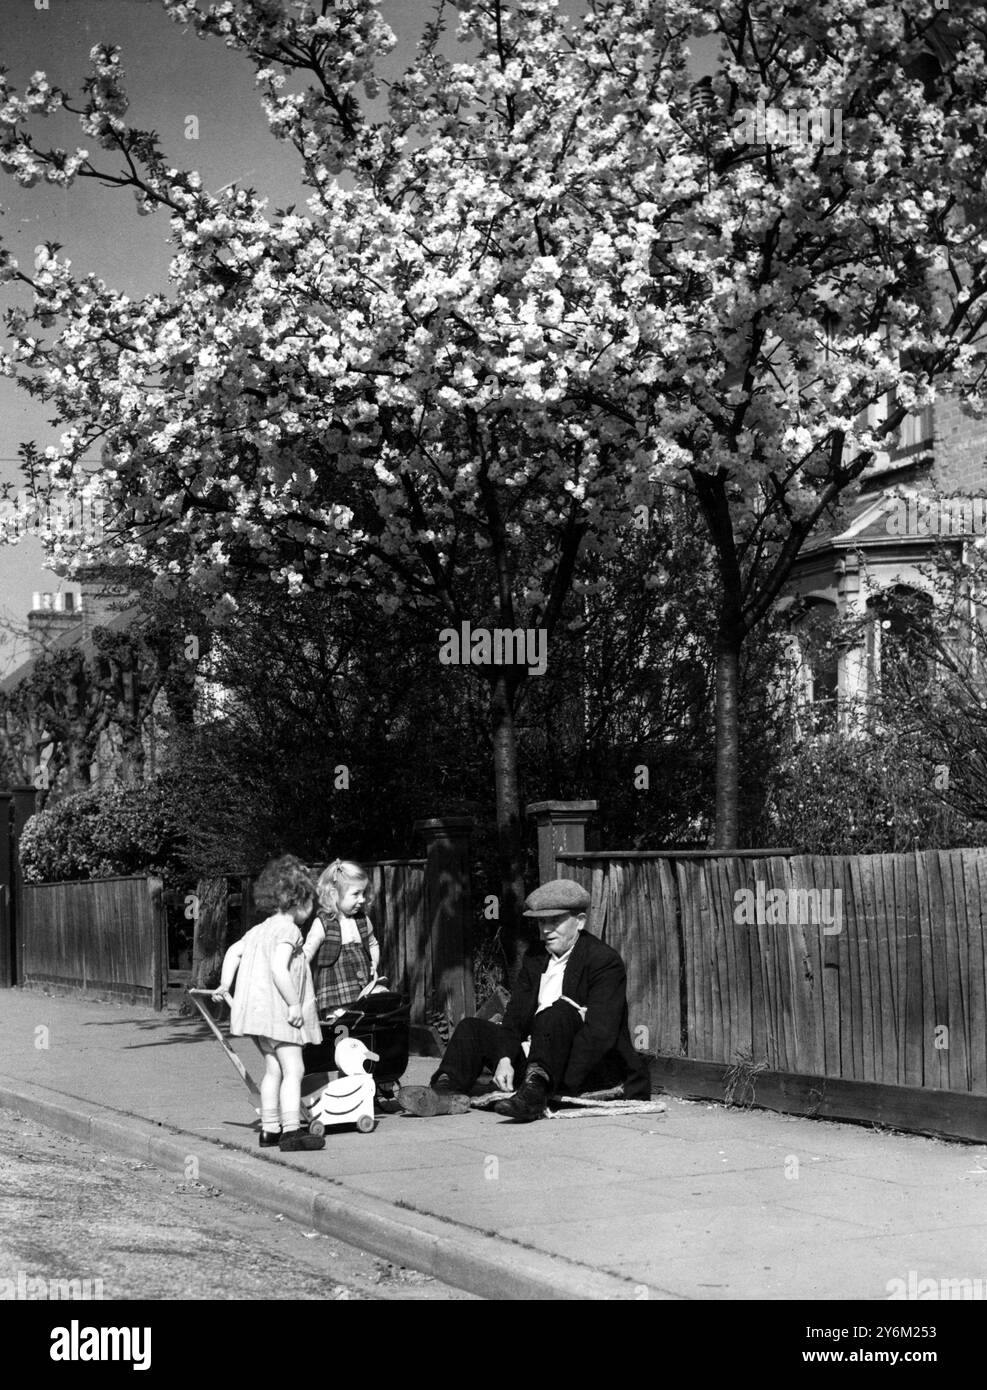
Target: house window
898 642
913 436
818 655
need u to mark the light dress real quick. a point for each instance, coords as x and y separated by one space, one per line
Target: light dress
258 1009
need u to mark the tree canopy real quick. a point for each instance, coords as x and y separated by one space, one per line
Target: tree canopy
527 288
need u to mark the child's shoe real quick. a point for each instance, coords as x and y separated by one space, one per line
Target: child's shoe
297 1140
269 1138
385 1101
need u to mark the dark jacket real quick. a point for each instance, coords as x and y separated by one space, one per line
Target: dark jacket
602 1053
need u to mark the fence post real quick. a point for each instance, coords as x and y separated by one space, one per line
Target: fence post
449 913
159 943
561 828
7 963
247 906
25 803
210 933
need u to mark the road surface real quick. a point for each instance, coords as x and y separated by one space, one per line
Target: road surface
69 1211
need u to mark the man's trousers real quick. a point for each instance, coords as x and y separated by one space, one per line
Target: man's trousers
477 1043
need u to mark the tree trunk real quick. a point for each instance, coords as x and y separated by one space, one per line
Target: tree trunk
79 765
503 692
132 756
712 496
209 938
727 737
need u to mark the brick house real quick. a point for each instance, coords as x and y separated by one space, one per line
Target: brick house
64 620
925 498
879 565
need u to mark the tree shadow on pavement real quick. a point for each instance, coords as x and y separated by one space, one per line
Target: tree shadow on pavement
177 1030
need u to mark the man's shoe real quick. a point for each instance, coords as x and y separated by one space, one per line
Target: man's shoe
529 1102
637 1088
269 1139
299 1140
441 1098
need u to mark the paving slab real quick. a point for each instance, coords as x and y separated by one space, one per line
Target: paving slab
699 1202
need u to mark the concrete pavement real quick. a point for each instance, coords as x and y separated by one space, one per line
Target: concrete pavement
700 1202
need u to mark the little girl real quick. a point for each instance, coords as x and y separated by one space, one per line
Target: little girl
343 936
275 1002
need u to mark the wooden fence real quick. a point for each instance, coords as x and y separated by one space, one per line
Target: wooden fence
423 925
882 977
111 935
223 909
107 936
398 915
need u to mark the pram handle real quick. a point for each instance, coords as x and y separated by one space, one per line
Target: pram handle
386 1018
247 1079
355 1017
358 1015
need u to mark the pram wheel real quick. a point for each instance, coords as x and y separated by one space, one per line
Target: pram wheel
317 1128
365 1124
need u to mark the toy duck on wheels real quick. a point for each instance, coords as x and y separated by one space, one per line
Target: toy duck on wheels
349 1100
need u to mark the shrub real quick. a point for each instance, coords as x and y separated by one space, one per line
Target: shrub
106 831
841 795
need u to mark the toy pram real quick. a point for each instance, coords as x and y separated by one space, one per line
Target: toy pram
381 1022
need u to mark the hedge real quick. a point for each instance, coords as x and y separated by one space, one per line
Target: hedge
106 831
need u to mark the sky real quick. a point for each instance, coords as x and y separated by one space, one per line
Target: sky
170 75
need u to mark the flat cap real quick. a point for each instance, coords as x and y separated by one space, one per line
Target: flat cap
561 895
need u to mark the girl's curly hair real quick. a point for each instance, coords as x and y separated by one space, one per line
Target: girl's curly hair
284 883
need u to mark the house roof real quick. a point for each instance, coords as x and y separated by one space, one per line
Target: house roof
909 515
78 636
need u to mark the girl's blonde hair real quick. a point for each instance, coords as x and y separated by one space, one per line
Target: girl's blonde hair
329 887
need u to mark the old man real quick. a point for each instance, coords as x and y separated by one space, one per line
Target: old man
564 1032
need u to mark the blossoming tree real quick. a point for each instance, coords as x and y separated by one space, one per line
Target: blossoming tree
526 287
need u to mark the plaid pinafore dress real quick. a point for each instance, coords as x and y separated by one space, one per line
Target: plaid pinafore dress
341 969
